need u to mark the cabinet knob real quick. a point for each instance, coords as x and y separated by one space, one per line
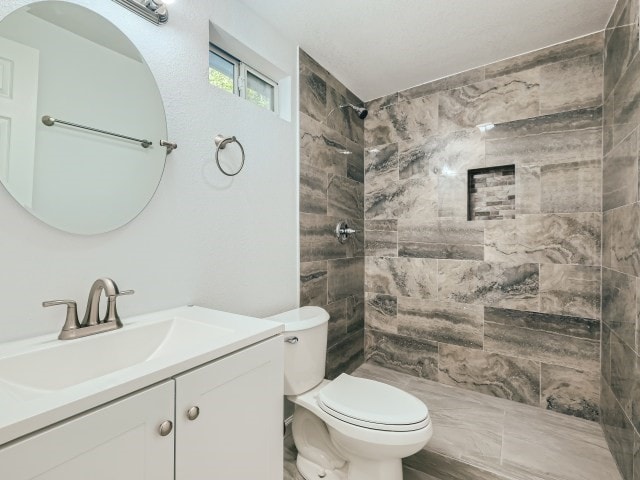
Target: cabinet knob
165 428
193 413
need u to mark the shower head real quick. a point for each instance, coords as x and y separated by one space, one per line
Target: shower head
361 111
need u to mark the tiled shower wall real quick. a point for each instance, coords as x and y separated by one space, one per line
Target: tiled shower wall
620 394
508 307
331 190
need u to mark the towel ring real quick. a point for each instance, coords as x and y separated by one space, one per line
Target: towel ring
221 143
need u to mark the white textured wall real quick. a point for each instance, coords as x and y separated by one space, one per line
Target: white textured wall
203 239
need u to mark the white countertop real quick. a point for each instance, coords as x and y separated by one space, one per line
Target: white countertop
24 409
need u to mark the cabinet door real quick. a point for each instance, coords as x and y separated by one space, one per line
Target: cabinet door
238 433
118 441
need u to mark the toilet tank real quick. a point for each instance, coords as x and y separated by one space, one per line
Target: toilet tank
305 348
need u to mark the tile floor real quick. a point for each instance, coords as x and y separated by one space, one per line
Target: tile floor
479 437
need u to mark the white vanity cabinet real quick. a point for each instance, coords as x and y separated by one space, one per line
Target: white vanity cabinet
236 435
116 441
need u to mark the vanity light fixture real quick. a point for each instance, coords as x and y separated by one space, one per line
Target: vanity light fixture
153 10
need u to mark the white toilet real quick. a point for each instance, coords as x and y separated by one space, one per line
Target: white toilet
349 428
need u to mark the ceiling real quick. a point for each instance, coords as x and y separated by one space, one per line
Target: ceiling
377 47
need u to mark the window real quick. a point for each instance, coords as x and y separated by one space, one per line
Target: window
232 75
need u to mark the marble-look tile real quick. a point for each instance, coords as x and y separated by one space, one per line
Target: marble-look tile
313 190
470 428
447 83
528 189
571 84
626 102
413 198
549 238
443 231
355 313
345 197
503 285
636 458
585 179
637 344
621 45
309 62
546 448
401 277
623 372
498 375
618 431
407 120
588 45
381 225
355 164
605 354
344 278
346 356
607 125
343 120
381 312
607 222
534 336
382 102
443 467
619 299
583 328
318 240
455 152
585 118
394 378
624 13
570 290
622 239
313 94
381 167
337 327
381 244
403 354
440 250
320 147
545 148
313 283
443 322
572 392
452 196
411 474
502 99
620 174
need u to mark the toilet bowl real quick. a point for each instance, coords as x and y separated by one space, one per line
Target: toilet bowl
349 428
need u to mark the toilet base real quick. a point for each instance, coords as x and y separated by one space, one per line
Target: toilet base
313 471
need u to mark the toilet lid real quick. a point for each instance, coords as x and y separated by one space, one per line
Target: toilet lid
372 404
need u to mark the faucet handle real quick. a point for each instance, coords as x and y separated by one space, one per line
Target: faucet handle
71 321
112 311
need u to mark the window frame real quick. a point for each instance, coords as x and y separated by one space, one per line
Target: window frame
240 77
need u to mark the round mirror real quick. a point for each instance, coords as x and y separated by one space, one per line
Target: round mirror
81 119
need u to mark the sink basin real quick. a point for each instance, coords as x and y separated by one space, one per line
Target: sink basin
62 364
44 380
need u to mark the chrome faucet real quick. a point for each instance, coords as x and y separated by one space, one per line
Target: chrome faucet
92 324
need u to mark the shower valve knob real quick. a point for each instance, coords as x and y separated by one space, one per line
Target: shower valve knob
343 231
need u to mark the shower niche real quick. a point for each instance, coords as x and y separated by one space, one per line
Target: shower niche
491 193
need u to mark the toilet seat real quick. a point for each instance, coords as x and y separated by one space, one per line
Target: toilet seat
372 405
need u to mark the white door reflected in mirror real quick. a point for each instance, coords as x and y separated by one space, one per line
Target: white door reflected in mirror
65 61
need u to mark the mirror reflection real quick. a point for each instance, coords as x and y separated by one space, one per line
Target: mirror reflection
66 62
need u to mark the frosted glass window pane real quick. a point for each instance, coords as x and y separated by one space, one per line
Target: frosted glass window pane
260 92
221 72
